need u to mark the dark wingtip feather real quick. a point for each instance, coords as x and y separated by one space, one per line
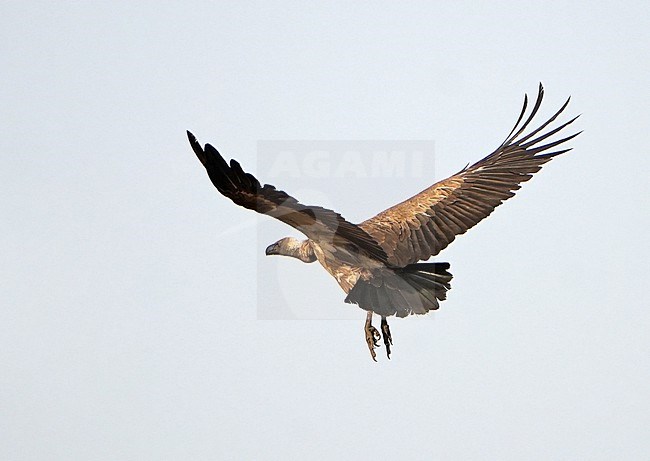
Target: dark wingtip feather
238 174
521 141
196 147
546 135
554 154
215 157
521 116
536 150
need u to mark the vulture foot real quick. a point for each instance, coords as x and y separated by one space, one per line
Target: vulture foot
388 340
372 336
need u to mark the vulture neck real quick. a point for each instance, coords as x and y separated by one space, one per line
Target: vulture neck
299 250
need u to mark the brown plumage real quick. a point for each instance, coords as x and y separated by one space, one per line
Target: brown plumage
425 224
376 262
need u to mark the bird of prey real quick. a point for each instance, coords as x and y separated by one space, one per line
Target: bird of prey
376 262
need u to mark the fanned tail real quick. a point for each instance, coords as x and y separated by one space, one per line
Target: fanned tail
413 289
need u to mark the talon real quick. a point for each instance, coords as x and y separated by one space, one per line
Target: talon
371 348
372 336
388 340
375 335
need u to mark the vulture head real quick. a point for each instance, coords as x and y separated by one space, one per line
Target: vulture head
289 246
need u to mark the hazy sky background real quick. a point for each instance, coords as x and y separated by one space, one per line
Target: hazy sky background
129 322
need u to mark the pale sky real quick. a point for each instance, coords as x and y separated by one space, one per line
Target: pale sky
132 292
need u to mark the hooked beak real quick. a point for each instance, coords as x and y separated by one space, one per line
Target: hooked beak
272 249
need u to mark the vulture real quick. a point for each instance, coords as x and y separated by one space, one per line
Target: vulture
376 262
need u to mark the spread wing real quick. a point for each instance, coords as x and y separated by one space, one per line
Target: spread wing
323 226
423 225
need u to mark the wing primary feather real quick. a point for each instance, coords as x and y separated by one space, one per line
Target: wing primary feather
554 154
547 123
538 103
521 116
547 135
552 144
218 168
196 147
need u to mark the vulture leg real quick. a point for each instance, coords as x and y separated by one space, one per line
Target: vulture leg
372 336
388 340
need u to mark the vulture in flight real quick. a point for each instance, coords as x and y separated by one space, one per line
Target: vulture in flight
376 262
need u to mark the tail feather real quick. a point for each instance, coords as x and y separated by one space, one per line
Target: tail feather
414 289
